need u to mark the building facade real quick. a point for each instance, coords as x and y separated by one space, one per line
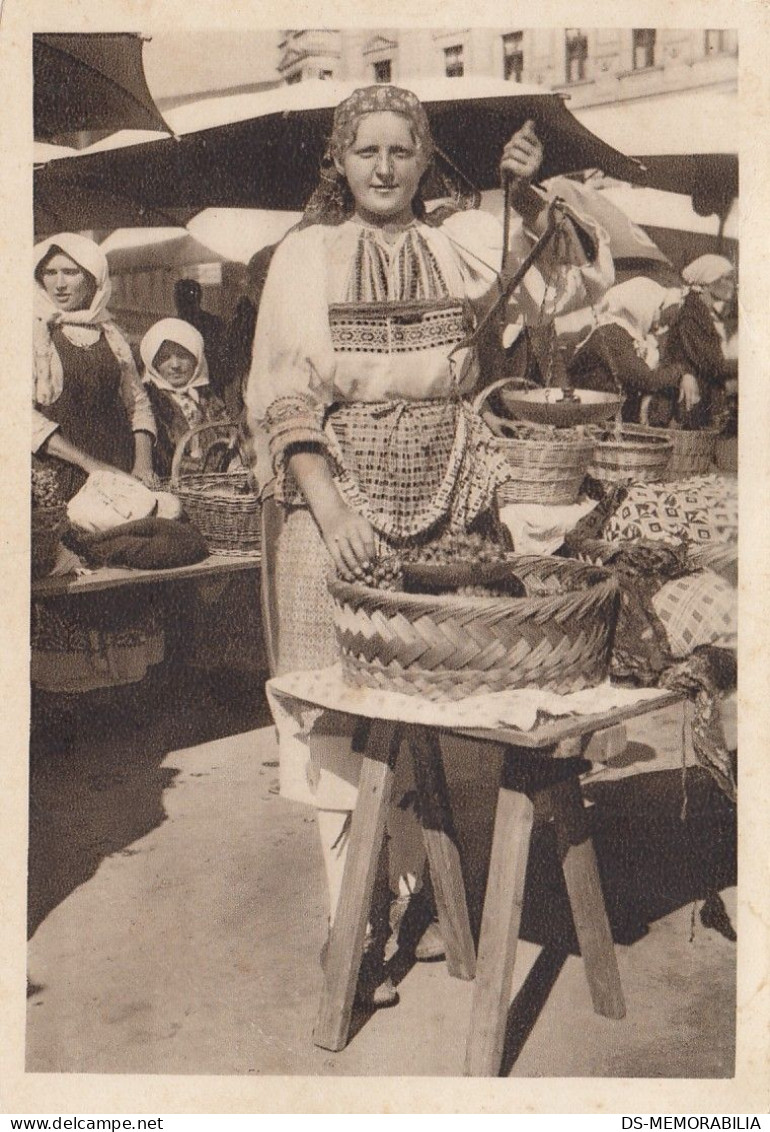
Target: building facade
594 67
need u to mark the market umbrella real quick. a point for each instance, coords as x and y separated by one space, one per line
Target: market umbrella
90 82
74 208
263 150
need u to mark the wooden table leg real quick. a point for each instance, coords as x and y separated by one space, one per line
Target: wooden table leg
581 874
443 855
381 739
500 924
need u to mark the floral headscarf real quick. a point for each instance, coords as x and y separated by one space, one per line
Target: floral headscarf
48 375
331 202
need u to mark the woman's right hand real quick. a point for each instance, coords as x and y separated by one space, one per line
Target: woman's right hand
349 538
689 393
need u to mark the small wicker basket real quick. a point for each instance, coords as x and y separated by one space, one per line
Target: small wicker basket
47 526
547 468
446 647
693 452
222 505
625 456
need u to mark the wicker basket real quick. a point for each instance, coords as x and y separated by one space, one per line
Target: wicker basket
630 456
48 525
449 646
693 452
548 469
220 504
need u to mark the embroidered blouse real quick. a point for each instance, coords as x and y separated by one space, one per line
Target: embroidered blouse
314 346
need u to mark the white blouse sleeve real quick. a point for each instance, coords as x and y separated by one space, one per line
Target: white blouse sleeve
562 280
291 381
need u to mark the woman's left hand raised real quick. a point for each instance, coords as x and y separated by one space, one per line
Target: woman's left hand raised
523 154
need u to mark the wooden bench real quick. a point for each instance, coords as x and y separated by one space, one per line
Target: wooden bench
540 778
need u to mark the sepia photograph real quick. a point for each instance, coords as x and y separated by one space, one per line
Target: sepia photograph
381 663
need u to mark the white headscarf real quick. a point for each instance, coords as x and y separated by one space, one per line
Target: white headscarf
636 305
48 372
183 334
706 269
186 396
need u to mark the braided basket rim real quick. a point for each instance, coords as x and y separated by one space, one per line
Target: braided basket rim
603 586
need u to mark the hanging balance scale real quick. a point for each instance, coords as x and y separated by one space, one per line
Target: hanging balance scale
557 406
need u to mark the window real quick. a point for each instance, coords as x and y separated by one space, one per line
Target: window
513 56
326 74
382 71
716 41
454 68
644 48
576 53
296 77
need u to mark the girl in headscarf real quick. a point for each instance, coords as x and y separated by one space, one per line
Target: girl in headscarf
363 437
698 341
621 353
176 378
90 412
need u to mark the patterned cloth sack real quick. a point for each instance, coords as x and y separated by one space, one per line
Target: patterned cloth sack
699 609
701 510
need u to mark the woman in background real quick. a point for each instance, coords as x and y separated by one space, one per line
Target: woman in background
90 412
176 378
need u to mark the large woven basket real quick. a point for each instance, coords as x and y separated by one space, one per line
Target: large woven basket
449 646
625 456
47 526
222 505
693 452
547 468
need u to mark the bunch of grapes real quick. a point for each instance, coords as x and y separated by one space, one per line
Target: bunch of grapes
384 574
45 488
454 545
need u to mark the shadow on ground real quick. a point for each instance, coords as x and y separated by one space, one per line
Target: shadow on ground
96 773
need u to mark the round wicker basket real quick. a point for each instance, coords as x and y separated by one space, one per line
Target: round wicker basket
548 465
693 453
626 456
450 646
220 504
547 470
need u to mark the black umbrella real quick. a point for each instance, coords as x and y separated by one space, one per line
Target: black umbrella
264 150
92 82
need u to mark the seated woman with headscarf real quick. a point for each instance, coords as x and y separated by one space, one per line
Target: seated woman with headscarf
622 354
698 342
176 378
90 413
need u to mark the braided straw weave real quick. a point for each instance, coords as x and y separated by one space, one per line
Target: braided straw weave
693 452
630 456
448 647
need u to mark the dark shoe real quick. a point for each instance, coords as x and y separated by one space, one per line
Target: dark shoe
375 988
714 915
414 928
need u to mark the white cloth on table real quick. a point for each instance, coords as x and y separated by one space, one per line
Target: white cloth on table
300 701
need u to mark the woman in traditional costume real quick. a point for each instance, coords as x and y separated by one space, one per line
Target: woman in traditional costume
364 438
90 412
